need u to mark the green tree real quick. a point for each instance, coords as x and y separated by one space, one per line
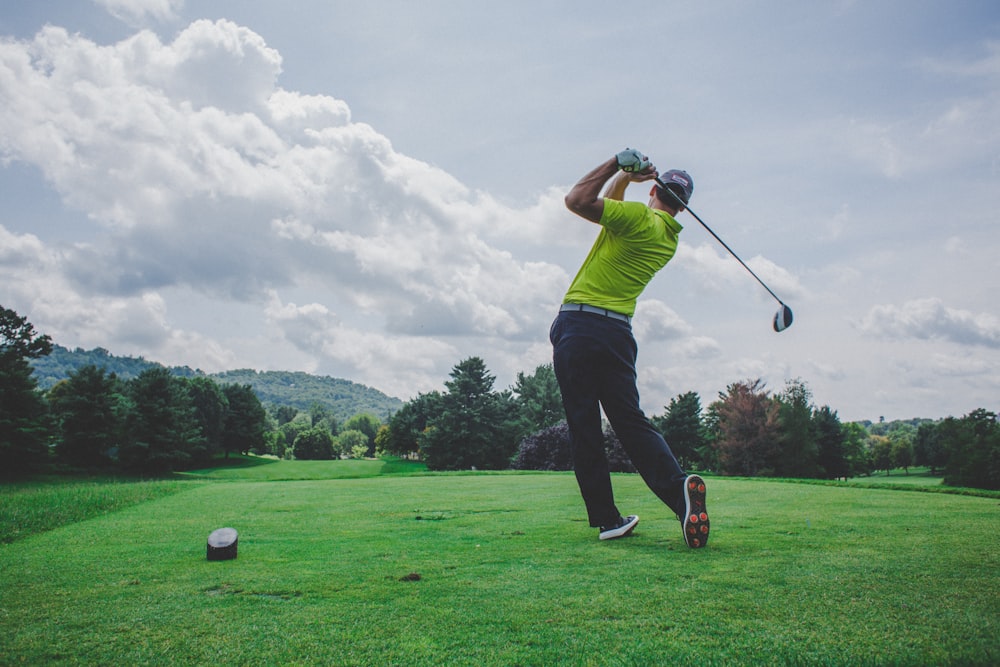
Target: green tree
211 408
881 448
973 450
831 441
90 413
315 444
748 429
352 443
368 424
292 429
902 455
163 432
24 425
284 413
538 399
709 453
799 451
929 448
246 420
682 428
321 415
382 439
476 427
408 424
902 448
856 452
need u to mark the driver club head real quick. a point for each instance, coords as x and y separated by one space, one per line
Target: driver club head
783 318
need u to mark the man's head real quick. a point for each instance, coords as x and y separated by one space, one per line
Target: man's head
679 183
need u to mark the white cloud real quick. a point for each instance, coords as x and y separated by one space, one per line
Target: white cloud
717 271
139 12
930 319
193 181
207 177
397 365
986 66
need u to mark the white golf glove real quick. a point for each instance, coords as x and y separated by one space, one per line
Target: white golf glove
632 161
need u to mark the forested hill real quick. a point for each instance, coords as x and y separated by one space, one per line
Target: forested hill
343 398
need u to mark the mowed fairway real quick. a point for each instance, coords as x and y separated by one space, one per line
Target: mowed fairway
503 570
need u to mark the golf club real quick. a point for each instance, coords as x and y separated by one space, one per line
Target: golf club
782 318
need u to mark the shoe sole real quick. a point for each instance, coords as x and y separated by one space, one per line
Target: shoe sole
620 531
696 523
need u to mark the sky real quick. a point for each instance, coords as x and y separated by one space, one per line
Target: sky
374 190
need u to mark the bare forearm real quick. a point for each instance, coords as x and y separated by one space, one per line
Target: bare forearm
617 186
584 198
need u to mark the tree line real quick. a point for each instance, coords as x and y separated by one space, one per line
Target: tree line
748 431
154 422
301 390
157 422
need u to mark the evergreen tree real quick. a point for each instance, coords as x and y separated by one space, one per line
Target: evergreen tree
973 450
476 427
831 444
683 430
211 408
798 451
538 399
90 413
246 420
163 431
24 424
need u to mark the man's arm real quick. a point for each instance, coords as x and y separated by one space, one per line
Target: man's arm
617 186
584 198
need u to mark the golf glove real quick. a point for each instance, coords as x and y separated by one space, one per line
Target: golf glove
632 161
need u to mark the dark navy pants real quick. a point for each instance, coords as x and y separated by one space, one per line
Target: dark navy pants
594 360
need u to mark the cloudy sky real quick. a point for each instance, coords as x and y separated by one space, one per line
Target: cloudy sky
373 190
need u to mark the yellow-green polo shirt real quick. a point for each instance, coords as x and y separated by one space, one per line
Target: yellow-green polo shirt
634 243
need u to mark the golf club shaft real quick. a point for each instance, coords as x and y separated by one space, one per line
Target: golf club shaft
724 245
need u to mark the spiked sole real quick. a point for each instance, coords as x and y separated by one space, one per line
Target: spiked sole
696 523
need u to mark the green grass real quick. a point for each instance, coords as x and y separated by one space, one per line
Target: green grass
273 470
503 570
32 507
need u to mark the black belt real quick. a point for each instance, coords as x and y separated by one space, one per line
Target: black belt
584 308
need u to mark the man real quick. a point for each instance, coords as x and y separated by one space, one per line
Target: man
594 352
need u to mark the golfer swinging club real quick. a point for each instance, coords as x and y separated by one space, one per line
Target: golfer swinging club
594 351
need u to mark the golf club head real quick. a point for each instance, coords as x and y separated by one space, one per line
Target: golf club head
783 318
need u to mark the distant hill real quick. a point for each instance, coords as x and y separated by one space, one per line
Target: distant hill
343 397
300 390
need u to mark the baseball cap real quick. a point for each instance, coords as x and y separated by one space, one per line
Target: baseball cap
682 180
